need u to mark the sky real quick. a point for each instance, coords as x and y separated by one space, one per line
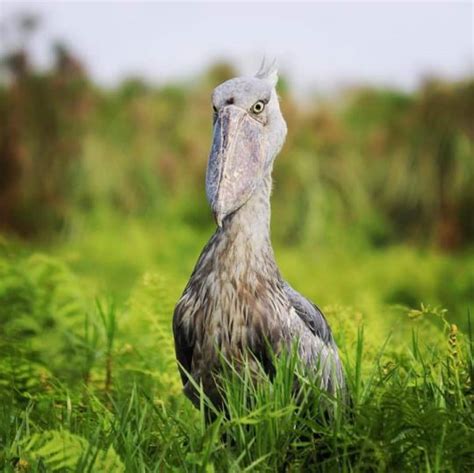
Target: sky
322 45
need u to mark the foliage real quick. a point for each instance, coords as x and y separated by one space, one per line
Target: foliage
410 405
388 165
62 451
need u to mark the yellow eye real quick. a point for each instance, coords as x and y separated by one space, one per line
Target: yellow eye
258 107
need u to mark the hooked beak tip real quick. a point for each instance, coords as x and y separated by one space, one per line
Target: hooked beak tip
217 218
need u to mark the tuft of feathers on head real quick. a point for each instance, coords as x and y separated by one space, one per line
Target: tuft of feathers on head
268 71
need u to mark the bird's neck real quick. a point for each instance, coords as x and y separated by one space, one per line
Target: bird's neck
245 235
252 221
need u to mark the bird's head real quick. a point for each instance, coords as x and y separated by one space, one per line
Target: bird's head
249 131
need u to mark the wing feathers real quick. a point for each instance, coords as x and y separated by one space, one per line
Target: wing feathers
310 314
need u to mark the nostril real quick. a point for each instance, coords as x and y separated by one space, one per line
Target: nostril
230 101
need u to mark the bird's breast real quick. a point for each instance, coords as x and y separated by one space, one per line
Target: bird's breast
230 315
234 301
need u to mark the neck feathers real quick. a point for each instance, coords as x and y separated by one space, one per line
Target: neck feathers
243 244
251 223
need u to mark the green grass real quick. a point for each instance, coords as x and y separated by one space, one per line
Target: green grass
88 380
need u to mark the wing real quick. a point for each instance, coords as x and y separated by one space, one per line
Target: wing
310 314
183 343
313 318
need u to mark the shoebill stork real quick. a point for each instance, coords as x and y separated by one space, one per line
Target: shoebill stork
236 298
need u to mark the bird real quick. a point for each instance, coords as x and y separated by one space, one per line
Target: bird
236 300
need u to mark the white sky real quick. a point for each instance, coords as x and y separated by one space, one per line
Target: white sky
322 45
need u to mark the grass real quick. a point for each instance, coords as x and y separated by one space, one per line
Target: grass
88 380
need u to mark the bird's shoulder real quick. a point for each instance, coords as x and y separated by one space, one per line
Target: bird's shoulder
310 314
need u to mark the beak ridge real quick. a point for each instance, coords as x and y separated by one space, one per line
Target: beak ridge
235 163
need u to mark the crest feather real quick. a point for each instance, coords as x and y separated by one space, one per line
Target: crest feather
268 71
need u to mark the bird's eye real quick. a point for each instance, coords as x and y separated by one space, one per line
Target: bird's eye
258 107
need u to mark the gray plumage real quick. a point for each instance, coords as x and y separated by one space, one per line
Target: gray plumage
236 299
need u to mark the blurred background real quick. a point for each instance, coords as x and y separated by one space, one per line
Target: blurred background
106 128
